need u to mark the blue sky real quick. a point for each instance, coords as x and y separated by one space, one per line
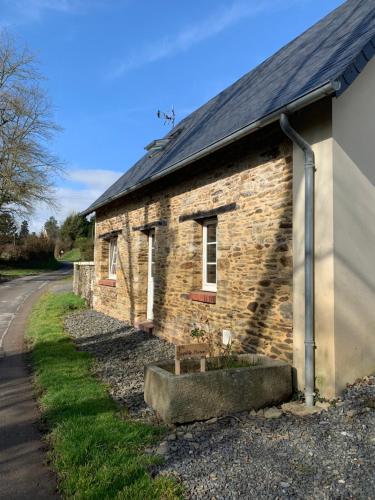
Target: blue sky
110 64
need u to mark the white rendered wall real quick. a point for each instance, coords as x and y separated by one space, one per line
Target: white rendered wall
314 124
353 129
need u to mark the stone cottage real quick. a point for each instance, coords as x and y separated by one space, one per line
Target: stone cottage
210 223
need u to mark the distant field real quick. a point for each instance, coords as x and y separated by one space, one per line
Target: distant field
72 255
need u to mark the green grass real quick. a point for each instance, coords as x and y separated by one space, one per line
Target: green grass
224 363
67 278
17 271
73 255
96 451
9 272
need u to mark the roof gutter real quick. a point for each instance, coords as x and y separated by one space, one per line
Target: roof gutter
317 94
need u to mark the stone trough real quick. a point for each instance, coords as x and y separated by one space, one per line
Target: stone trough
200 396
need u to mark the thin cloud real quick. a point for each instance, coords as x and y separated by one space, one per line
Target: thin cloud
195 34
93 182
16 12
38 6
94 178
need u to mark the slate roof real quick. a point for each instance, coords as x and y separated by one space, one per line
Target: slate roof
336 48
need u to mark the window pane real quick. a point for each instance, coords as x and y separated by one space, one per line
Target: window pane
211 253
112 257
113 269
211 233
211 273
153 254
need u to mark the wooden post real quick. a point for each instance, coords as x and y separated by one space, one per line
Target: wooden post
187 351
177 364
203 364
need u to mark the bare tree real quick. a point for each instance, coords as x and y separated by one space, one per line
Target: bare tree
27 167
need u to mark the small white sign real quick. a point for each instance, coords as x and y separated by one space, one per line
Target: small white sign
227 337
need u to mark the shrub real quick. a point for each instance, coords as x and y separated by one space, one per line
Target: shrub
32 251
62 246
86 247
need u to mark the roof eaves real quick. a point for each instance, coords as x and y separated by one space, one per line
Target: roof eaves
356 66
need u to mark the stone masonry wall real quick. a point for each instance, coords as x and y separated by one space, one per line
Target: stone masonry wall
83 280
254 288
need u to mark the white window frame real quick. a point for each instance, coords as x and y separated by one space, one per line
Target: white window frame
209 287
112 259
150 275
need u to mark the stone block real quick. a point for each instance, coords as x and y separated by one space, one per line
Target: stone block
202 396
83 280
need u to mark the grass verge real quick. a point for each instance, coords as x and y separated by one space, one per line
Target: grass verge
73 255
11 271
96 452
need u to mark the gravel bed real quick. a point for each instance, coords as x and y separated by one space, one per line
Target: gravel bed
322 456
330 455
121 353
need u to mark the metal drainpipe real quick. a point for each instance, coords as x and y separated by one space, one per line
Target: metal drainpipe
309 257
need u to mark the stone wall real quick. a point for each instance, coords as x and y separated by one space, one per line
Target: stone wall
83 280
254 288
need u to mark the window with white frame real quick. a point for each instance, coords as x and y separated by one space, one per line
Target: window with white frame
209 255
112 258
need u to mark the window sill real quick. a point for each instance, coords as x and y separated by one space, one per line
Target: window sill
107 282
202 296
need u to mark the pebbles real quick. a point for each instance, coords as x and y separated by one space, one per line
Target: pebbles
272 412
330 454
121 353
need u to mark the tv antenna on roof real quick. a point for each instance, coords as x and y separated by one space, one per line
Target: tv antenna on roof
167 117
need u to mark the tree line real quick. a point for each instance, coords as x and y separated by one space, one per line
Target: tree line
74 232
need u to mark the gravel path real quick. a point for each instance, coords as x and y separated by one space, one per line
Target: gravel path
246 456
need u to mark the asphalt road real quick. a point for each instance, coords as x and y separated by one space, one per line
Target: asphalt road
24 472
